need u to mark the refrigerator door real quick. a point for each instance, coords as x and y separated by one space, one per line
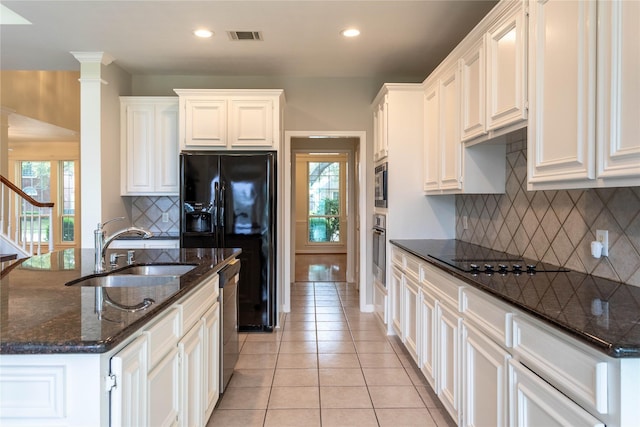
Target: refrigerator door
247 183
199 176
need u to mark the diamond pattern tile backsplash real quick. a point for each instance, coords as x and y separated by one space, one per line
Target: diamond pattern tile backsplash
555 226
146 212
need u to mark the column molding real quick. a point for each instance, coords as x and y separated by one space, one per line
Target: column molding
90 141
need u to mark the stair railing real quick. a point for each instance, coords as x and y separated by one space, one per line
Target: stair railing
21 219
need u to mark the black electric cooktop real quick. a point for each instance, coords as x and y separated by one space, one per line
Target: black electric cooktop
479 260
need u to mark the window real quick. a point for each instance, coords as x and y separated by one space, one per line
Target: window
48 181
326 183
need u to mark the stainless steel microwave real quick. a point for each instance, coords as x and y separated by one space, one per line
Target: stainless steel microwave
380 200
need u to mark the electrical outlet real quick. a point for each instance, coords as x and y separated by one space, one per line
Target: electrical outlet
602 236
165 216
465 222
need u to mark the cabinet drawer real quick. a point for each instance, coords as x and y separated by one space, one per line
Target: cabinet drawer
397 258
446 289
488 315
575 369
197 303
163 335
412 266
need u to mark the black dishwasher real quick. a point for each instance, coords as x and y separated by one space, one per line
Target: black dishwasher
229 344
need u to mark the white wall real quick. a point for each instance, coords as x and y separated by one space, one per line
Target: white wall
118 82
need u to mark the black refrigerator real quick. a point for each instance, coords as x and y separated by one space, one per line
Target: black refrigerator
228 199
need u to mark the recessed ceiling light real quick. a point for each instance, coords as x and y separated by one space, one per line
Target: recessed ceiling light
350 32
205 34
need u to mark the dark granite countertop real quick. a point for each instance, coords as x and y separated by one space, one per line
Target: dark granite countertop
39 314
599 312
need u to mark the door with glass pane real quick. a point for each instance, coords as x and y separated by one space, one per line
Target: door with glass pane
326 204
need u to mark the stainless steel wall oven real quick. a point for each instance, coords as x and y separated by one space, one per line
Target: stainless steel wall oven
379 248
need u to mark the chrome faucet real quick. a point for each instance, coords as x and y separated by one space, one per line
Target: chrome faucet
101 242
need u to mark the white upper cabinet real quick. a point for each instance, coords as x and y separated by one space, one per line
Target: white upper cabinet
506 48
450 166
493 75
472 69
212 119
431 137
618 92
205 123
584 84
380 126
149 146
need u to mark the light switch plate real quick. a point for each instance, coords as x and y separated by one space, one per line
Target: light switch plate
165 217
602 236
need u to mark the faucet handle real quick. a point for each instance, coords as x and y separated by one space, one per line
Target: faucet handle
113 259
120 218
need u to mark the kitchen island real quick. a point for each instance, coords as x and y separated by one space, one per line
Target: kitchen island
60 345
505 340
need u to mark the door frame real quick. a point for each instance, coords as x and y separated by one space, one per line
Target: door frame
288 250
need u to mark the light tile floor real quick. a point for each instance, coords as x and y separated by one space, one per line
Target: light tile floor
329 365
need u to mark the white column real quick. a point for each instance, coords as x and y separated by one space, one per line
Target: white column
90 141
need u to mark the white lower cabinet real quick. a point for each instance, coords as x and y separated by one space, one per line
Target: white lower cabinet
485 374
395 307
427 342
129 396
163 388
448 326
535 403
169 374
212 341
492 365
192 373
380 301
411 313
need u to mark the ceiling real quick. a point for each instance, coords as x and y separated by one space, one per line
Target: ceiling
399 41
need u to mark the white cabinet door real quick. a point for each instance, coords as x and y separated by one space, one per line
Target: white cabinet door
380 302
129 396
381 120
395 290
205 123
506 44
485 386
428 340
251 123
167 149
212 359
431 162
562 64
472 89
163 385
149 146
448 331
450 143
139 146
533 402
191 349
618 89
411 317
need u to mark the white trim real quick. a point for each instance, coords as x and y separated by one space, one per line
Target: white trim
288 218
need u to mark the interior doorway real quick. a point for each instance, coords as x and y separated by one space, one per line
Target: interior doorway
322 146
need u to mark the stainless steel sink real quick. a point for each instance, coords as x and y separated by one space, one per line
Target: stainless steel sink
126 280
155 270
137 275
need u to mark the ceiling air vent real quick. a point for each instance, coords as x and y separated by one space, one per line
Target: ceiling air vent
245 35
